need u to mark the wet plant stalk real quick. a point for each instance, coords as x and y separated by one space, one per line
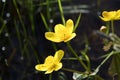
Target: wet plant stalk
112 26
71 70
50 76
48 8
26 51
75 54
110 54
35 53
69 59
77 23
3 9
2 28
18 12
44 21
61 11
48 29
31 16
18 36
108 27
85 51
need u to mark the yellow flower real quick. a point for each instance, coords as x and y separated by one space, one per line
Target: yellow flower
51 63
110 15
62 33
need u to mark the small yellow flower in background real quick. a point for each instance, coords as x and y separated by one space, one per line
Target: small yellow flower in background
62 33
51 63
110 15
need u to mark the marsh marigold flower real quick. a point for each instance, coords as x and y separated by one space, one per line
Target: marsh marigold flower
110 15
62 33
52 63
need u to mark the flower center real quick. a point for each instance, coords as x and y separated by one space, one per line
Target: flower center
53 66
65 37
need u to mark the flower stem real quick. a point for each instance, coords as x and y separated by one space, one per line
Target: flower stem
71 70
50 76
44 21
69 58
19 37
2 12
110 54
35 53
77 22
61 11
108 27
75 54
112 26
20 18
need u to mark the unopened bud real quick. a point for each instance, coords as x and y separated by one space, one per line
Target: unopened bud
103 29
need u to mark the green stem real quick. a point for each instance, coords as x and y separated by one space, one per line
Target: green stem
87 60
3 25
85 51
71 70
75 54
112 26
108 27
69 59
35 53
2 28
48 7
61 11
44 21
118 51
77 23
18 12
110 54
48 29
3 9
54 46
18 36
50 76
26 51
31 16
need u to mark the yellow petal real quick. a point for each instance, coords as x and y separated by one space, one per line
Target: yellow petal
58 56
54 67
58 66
49 71
41 67
107 16
59 28
49 60
117 16
69 26
105 19
71 37
53 37
45 66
